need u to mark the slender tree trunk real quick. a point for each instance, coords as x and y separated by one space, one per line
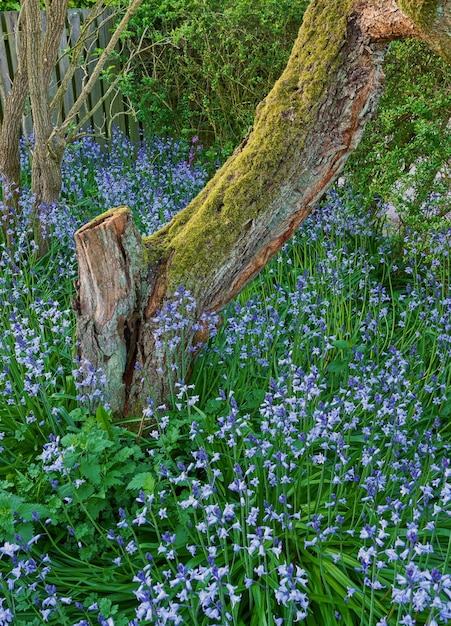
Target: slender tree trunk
46 182
303 133
10 133
9 151
47 155
39 53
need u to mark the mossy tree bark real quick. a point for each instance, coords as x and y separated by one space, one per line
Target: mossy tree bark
303 133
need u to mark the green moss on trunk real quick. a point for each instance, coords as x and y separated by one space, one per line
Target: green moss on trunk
204 234
103 216
422 12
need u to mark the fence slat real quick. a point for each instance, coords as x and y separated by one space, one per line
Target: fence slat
6 63
98 118
12 39
74 18
112 110
61 69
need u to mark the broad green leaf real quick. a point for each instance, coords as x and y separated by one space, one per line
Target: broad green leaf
143 480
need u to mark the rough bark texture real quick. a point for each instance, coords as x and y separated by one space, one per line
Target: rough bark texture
47 155
303 133
119 294
111 258
10 133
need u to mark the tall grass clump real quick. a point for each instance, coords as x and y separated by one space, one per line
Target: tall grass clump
302 473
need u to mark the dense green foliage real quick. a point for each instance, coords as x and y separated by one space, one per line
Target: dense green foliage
208 64
409 141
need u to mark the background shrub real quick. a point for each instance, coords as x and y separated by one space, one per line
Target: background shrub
409 141
207 65
14 5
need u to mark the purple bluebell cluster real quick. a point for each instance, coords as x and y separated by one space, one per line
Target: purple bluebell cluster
89 382
351 490
35 348
302 474
156 179
176 324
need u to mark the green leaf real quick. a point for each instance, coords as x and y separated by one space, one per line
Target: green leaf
27 509
143 480
336 366
114 478
69 440
78 414
341 344
125 453
91 470
85 491
98 442
446 409
103 419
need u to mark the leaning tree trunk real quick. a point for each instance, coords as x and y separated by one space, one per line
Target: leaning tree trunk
303 133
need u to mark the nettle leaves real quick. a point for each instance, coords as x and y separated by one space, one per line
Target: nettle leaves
96 466
18 517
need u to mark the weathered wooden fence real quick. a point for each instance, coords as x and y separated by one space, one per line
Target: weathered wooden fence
114 109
